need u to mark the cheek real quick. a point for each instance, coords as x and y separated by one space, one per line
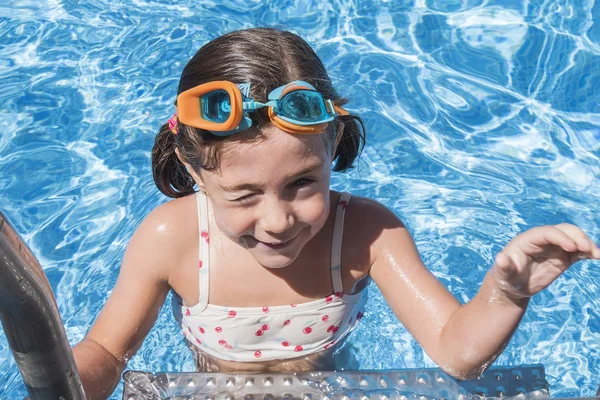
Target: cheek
314 210
233 223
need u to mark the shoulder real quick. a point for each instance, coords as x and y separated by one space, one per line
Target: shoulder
370 216
371 226
163 236
167 218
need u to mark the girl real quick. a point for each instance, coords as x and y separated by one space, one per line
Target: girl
268 264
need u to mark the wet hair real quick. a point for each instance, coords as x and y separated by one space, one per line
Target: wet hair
266 58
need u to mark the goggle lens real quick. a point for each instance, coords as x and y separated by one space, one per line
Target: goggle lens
216 106
303 105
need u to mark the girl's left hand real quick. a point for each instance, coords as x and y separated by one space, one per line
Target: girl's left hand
535 258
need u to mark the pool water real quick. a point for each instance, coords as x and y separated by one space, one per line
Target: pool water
483 120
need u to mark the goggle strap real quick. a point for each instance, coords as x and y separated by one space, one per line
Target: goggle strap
330 107
245 89
251 105
340 111
245 123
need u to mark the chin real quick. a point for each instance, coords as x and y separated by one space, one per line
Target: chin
276 258
275 261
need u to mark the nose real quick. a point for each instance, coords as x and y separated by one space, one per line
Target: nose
276 216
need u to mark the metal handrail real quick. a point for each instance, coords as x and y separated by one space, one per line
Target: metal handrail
32 323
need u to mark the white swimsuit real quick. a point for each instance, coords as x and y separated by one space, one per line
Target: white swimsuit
246 334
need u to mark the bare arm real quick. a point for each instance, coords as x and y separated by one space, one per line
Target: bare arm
130 311
462 339
99 370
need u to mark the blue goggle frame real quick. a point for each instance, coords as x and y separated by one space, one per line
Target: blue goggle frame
296 107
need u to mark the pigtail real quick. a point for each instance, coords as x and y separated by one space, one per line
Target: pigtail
170 175
352 142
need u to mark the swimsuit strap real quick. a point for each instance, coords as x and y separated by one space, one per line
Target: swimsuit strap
203 249
336 248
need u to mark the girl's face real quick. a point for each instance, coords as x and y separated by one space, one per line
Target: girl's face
271 196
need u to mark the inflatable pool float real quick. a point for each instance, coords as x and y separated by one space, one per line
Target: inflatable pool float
37 338
419 384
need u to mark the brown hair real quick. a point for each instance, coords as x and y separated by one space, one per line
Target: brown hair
266 58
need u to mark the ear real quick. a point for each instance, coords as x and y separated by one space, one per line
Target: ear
191 171
338 137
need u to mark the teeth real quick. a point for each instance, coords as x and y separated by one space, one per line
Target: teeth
275 244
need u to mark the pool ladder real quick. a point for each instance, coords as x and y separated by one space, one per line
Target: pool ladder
32 323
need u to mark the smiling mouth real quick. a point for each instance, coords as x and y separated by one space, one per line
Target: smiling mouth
277 245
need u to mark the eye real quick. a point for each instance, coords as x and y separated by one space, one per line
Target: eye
303 182
244 199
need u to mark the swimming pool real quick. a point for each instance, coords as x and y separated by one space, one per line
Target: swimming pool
482 116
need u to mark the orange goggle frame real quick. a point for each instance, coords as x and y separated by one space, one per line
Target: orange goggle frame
190 108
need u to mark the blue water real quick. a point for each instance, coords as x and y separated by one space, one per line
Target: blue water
483 120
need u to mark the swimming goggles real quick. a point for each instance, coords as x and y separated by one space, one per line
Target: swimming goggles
222 108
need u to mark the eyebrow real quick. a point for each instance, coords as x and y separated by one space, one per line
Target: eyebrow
254 186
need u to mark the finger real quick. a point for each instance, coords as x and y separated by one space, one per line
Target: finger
510 263
503 262
503 268
584 243
578 256
596 252
545 235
